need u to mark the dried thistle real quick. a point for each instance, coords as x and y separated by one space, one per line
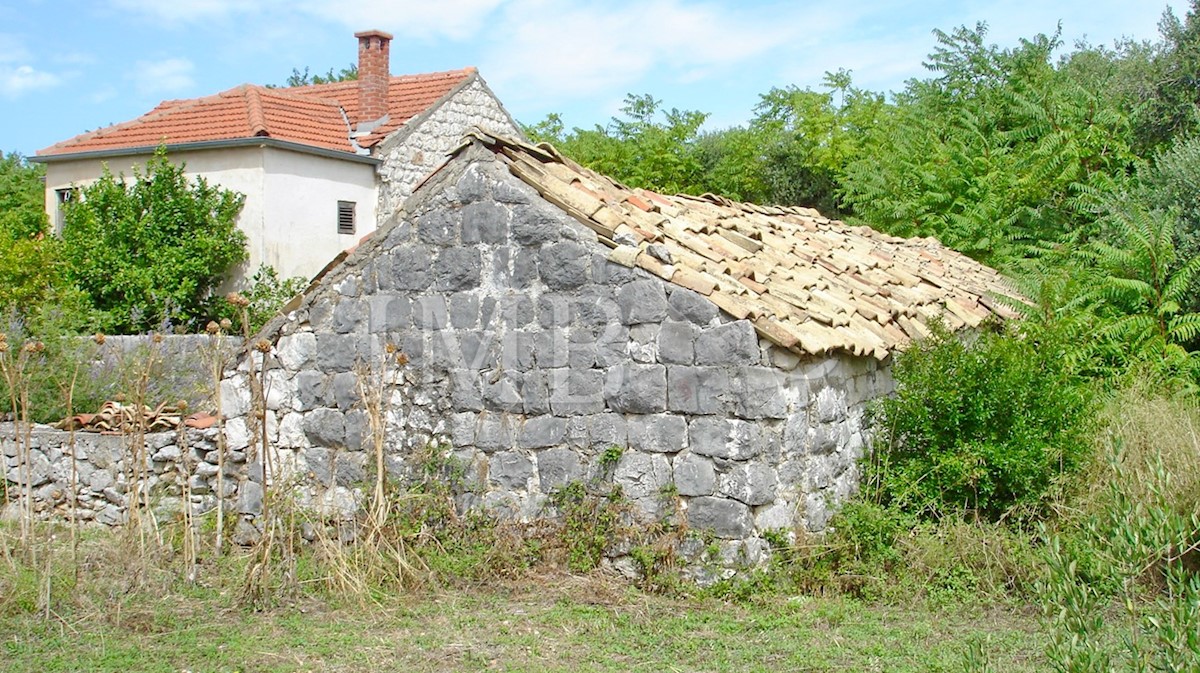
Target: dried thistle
401 358
390 348
99 338
3 346
237 299
226 323
156 338
34 347
262 346
212 327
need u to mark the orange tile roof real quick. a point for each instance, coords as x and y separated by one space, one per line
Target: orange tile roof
807 283
308 115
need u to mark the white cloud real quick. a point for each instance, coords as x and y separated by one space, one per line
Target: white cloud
21 79
17 77
421 19
172 75
558 50
181 11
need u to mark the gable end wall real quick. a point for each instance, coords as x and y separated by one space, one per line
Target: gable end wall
421 145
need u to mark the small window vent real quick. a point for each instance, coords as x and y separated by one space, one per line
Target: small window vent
62 198
345 217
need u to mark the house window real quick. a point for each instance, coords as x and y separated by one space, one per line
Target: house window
345 217
61 198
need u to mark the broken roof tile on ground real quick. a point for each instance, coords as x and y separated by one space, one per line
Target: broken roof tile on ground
807 283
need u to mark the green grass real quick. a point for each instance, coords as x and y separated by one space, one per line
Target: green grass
541 622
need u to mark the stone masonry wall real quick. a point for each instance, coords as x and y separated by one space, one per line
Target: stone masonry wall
421 145
531 356
99 467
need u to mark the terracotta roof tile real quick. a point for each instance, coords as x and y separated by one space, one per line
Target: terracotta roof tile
309 115
806 282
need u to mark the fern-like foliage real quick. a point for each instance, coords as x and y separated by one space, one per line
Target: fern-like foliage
1001 151
1146 289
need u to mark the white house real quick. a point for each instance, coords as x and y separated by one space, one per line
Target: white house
319 165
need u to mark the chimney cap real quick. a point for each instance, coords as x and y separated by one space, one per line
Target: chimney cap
373 33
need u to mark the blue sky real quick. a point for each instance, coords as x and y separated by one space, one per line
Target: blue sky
67 67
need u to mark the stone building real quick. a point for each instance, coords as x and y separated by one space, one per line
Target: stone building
549 314
320 165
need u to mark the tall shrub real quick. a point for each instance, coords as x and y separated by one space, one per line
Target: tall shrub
984 423
151 249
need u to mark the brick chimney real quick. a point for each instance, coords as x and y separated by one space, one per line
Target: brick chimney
373 78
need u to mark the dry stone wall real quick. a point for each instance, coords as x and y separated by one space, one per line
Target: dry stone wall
99 468
531 356
421 145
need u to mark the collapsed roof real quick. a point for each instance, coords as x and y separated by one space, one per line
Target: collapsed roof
807 283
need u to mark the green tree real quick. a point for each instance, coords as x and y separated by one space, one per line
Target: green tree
999 151
305 78
1171 181
639 148
151 250
22 197
1165 88
1145 292
811 136
734 164
32 280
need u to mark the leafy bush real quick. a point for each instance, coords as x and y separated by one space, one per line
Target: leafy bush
870 531
152 251
22 210
880 552
267 293
985 423
1142 552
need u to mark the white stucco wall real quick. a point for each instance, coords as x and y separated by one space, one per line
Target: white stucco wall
290 214
298 234
238 169
420 146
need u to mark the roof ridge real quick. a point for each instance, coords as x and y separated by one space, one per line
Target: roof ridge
291 94
346 84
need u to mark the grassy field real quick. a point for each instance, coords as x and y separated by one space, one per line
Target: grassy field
537 623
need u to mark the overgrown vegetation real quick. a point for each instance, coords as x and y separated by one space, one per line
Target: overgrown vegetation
987 426
136 254
151 251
